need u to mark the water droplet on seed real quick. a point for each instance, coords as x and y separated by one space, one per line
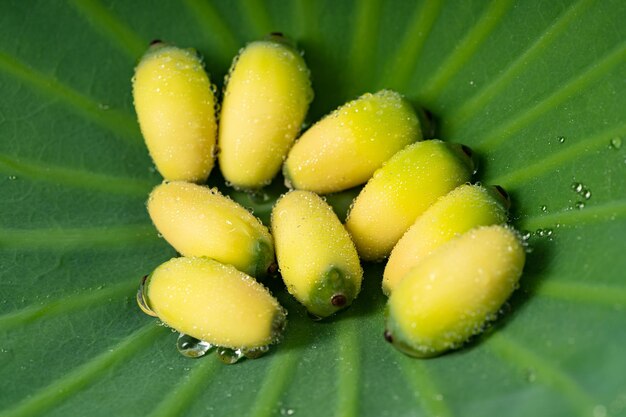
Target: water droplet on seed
141 298
191 347
229 356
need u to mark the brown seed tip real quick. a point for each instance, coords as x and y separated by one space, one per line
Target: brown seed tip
388 336
277 34
272 269
338 300
156 42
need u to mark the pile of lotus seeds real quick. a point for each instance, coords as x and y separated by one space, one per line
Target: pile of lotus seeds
452 261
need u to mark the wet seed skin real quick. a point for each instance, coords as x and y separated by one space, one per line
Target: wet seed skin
462 209
214 303
400 191
345 148
316 257
266 98
452 294
175 107
198 221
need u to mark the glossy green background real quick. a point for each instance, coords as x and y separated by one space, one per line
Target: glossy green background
508 78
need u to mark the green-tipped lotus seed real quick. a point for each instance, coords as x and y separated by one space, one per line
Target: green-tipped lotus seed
198 221
214 303
462 209
267 96
346 147
317 259
401 190
452 294
176 110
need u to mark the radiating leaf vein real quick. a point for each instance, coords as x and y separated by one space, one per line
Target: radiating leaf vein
574 217
458 116
547 373
424 387
84 299
71 177
87 238
349 368
79 378
182 396
575 85
464 49
222 36
109 24
405 59
554 160
117 121
583 293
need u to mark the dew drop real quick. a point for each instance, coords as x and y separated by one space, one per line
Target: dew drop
141 298
616 143
191 347
229 356
544 208
579 205
586 194
255 353
12 177
561 139
576 186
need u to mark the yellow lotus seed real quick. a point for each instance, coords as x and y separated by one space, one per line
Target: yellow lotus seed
462 209
317 259
267 96
176 110
345 148
403 189
215 303
198 221
452 294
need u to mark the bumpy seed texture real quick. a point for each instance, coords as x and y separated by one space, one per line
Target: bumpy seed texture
198 221
215 303
462 209
317 259
346 147
266 99
176 110
455 292
400 191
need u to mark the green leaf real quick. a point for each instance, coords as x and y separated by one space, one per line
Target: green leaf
536 88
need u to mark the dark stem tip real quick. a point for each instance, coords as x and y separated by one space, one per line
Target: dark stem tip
156 42
388 336
272 269
467 151
338 300
277 34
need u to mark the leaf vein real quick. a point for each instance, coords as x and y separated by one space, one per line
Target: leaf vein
109 24
83 375
117 121
74 177
464 50
574 85
549 374
497 84
408 53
